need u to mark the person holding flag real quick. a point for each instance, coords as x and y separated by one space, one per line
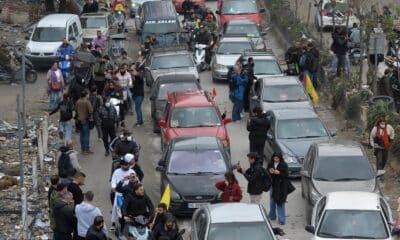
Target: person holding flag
310 88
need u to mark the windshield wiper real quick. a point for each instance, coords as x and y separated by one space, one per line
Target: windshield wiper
204 125
330 235
322 179
204 173
355 236
173 173
312 136
349 179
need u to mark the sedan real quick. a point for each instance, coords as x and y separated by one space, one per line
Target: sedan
191 166
292 132
93 22
244 28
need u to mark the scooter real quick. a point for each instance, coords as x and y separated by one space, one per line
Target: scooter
10 74
355 54
138 228
65 67
200 57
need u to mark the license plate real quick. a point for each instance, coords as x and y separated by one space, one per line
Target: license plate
196 205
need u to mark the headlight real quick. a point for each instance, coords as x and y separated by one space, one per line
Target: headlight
220 67
314 196
289 159
174 194
27 50
133 4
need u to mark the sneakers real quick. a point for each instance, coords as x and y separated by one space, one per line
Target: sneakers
138 124
112 228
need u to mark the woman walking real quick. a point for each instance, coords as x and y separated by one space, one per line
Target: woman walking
381 136
278 170
230 188
55 86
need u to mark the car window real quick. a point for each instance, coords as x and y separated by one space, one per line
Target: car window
159 27
284 93
227 48
48 34
174 87
201 224
70 33
195 117
307 159
248 29
99 22
266 67
301 128
239 7
240 230
172 61
76 30
201 161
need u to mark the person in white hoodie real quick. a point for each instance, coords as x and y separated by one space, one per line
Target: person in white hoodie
85 213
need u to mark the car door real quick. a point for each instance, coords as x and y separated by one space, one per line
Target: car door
199 225
78 34
386 210
153 98
164 160
305 180
166 114
318 212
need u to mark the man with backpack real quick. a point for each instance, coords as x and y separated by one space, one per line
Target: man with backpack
67 162
237 84
258 179
107 118
66 110
312 63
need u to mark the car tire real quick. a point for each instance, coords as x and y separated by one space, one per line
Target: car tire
156 128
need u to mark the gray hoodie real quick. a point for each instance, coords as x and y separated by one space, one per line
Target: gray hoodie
85 214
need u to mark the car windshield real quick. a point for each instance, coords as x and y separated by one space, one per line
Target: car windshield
168 26
48 34
301 128
200 161
266 67
233 47
238 231
239 7
284 93
245 29
331 169
341 7
353 224
172 61
195 117
99 22
175 87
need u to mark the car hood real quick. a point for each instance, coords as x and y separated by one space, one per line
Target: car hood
185 70
43 47
227 60
265 76
324 187
286 105
217 131
195 184
252 17
92 32
298 147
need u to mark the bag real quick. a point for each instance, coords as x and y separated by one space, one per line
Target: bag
55 85
65 168
91 123
65 111
266 179
78 124
290 187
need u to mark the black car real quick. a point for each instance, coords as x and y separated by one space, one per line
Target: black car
168 84
191 166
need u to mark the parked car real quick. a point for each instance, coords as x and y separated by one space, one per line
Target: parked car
135 7
231 221
292 132
178 4
169 84
190 113
239 10
93 22
278 93
330 167
326 10
351 215
265 63
244 28
169 60
191 166
48 36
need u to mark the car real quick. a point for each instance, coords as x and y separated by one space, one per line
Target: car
324 15
93 22
192 113
278 93
265 62
191 165
231 221
329 167
166 60
244 28
178 4
239 9
168 84
351 215
229 50
292 132
135 6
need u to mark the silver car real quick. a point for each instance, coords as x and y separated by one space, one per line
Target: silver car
93 22
265 63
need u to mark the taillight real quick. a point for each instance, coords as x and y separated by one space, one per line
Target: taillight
324 12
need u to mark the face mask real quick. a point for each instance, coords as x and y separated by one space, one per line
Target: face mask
382 125
108 104
129 138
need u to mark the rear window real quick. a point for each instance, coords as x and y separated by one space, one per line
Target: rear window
48 34
161 27
239 7
175 87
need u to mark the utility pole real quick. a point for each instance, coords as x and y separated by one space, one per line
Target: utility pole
20 143
23 93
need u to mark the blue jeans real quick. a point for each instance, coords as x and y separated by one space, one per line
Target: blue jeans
273 207
66 129
237 109
347 64
84 136
55 98
138 108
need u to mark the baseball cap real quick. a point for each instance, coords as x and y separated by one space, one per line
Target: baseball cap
129 157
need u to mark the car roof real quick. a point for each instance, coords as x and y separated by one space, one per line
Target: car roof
352 200
280 80
337 149
241 22
289 113
190 99
235 39
195 142
55 20
98 14
177 78
235 212
159 10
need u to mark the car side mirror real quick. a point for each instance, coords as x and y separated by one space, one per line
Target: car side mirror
380 173
163 123
263 34
262 10
332 132
304 173
218 12
227 120
310 229
160 168
270 136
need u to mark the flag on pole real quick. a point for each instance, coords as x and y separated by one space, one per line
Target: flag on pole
166 197
310 89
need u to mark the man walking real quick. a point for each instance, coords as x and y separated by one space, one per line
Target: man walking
138 96
236 92
74 187
107 118
66 108
84 111
96 230
65 220
258 127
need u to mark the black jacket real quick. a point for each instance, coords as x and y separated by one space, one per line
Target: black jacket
293 55
64 217
254 178
138 86
66 108
279 182
94 234
203 38
123 147
90 8
258 127
76 193
339 45
187 6
107 116
161 231
135 205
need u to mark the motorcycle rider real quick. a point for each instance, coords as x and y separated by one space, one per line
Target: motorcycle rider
168 230
120 6
65 50
204 37
137 204
292 58
126 189
127 145
107 118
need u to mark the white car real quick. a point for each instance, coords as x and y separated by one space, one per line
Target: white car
324 15
351 215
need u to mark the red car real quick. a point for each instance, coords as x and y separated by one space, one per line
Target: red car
192 113
178 4
239 10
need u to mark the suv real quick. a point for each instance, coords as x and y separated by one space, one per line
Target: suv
265 62
192 113
166 60
329 167
93 22
239 10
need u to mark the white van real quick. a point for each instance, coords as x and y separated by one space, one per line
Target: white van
48 35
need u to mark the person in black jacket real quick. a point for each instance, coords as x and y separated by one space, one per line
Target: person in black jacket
74 187
127 145
65 220
95 232
138 96
90 6
107 118
127 188
168 230
312 63
253 175
137 204
279 172
160 217
339 48
66 108
249 70
258 127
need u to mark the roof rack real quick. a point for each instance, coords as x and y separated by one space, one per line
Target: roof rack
259 52
169 48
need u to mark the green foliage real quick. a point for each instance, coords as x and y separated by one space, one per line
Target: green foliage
339 90
353 106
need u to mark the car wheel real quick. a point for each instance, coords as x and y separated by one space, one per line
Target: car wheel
156 128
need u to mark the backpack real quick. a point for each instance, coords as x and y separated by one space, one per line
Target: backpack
266 179
65 168
65 111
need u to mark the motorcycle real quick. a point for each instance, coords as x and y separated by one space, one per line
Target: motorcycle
138 227
65 67
355 54
200 56
11 74
120 20
116 103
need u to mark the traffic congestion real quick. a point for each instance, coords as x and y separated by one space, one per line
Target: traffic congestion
189 99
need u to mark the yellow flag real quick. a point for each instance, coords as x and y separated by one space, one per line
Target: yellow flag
166 197
310 89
